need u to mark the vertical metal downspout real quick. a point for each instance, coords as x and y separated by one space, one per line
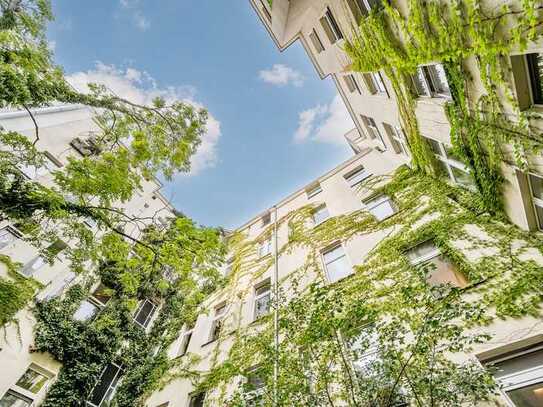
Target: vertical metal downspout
276 311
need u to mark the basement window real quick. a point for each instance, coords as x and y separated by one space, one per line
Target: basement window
316 41
431 81
331 27
104 389
262 299
520 376
336 263
442 271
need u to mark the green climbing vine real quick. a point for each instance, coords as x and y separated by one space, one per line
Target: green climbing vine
387 296
471 40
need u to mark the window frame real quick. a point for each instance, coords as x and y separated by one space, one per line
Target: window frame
536 92
267 243
398 140
316 41
450 163
19 396
13 232
149 317
332 29
257 297
373 130
218 319
194 395
322 208
536 202
351 174
27 394
352 85
382 199
313 190
428 82
185 343
375 83
330 249
116 379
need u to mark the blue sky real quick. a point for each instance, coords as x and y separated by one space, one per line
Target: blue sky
274 124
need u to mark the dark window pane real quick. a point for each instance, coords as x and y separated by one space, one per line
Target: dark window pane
197 400
144 313
535 68
537 186
529 396
104 382
12 399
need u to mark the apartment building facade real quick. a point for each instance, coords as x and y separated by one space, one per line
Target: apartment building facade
64 131
323 28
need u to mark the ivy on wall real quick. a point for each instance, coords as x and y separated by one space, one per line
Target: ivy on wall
386 297
455 33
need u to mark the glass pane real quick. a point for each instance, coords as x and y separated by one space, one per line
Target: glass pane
422 251
102 385
434 145
539 211
185 343
378 81
535 67
520 363
356 177
443 169
85 311
338 269
439 79
537 186
262 289
197 400
443 272
333 254
383 210
311 192
262 306
529 396
12 399
144 313
6 237
32 381
320 215
102 294
462 177
420 83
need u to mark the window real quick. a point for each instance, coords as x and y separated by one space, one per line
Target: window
217 323
265 247
350 81
70 276
7 237
254 387
229 266
144 313
372 129
266 219
313 190
397 139
86 146
102 294
32 382
450 166
536 186
197 400
330 26
320 215
381 207
431 80
32 266
535 72
365 351
14 399
336 263
104 389
262 299
317 43
361 8
86 311
185 340
521 377
356 176
443 272
374 82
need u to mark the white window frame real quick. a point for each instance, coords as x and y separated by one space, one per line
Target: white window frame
267 293
426 77
316 41
115 380
9 231
520 379
376 201
352 174
536 202
218 318
372 353
325 264
451 163
351 83
257 392
147 322
397 139
321 209
186 338
333 25
265 247
313 190
427 257
375 84
373 130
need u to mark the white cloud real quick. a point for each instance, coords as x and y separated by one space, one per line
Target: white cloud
324 123
137 16
281 75
139 87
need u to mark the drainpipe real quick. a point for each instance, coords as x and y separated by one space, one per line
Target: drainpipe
276 310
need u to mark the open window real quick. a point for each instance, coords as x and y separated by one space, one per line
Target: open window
262 299
90 306
217 322
356 176
330 26
336 263
145 313
431 81
104 388
320 214
520 376
440 270
185 340
380 206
